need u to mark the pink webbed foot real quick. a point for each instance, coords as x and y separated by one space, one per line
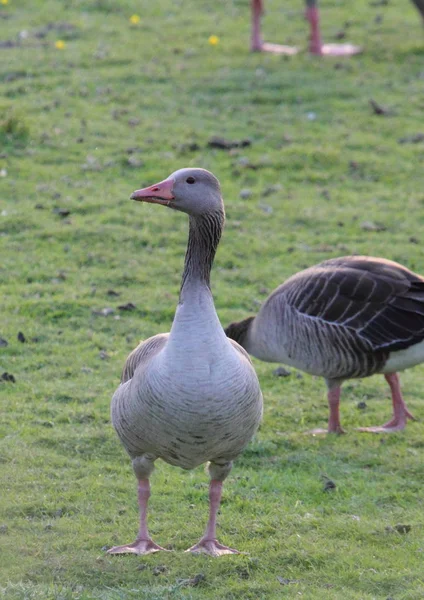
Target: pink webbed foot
337 50
395 424
274 49
138 547
211 547
321 431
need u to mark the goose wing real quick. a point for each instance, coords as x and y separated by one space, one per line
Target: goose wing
381 301
241 350
143 353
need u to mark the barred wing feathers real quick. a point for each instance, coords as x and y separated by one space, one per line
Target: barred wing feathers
380 301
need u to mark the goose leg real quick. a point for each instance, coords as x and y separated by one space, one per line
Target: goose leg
334 417
400 413
143 467
208 543
315 44
256 43
333 397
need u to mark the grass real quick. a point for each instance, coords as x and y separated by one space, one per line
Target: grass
122 106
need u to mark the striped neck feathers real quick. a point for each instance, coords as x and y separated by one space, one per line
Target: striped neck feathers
204 234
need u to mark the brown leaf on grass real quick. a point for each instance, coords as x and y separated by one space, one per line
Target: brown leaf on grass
281 372
378 109
187 147
8 377
416 138
128 306
399 528
271 190
62 212
133 150
224 144
193 581
373 226
329 484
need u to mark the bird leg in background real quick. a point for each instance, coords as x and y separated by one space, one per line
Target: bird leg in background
334 403
315 44
144 543
209 544
400 413
256 43
333 397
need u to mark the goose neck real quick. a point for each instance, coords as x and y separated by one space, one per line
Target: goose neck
204 235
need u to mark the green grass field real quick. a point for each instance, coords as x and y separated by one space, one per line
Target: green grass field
119 106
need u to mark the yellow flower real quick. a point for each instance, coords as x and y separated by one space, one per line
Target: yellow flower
4 1
213 40
59 44
134 19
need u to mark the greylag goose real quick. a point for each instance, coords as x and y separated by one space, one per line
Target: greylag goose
191 395
344 318
315 44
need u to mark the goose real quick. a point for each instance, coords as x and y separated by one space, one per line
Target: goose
189 396
315 44
348 317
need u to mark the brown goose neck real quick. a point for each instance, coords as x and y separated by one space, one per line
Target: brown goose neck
203 239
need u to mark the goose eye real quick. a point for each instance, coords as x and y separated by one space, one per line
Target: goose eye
190 180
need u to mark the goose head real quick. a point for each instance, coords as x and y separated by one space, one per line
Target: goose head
193 191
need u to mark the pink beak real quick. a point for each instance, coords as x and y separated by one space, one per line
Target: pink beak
159 193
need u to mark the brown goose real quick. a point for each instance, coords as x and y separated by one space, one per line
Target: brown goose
191 395
348 317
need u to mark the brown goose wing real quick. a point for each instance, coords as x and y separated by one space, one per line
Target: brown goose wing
380 300
144 351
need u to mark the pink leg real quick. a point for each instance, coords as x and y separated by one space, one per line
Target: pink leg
256 43
143 544
209 544
334 403
334 426
315 44
256 40
400 413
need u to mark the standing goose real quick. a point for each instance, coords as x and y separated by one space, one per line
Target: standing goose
344 318
191 395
